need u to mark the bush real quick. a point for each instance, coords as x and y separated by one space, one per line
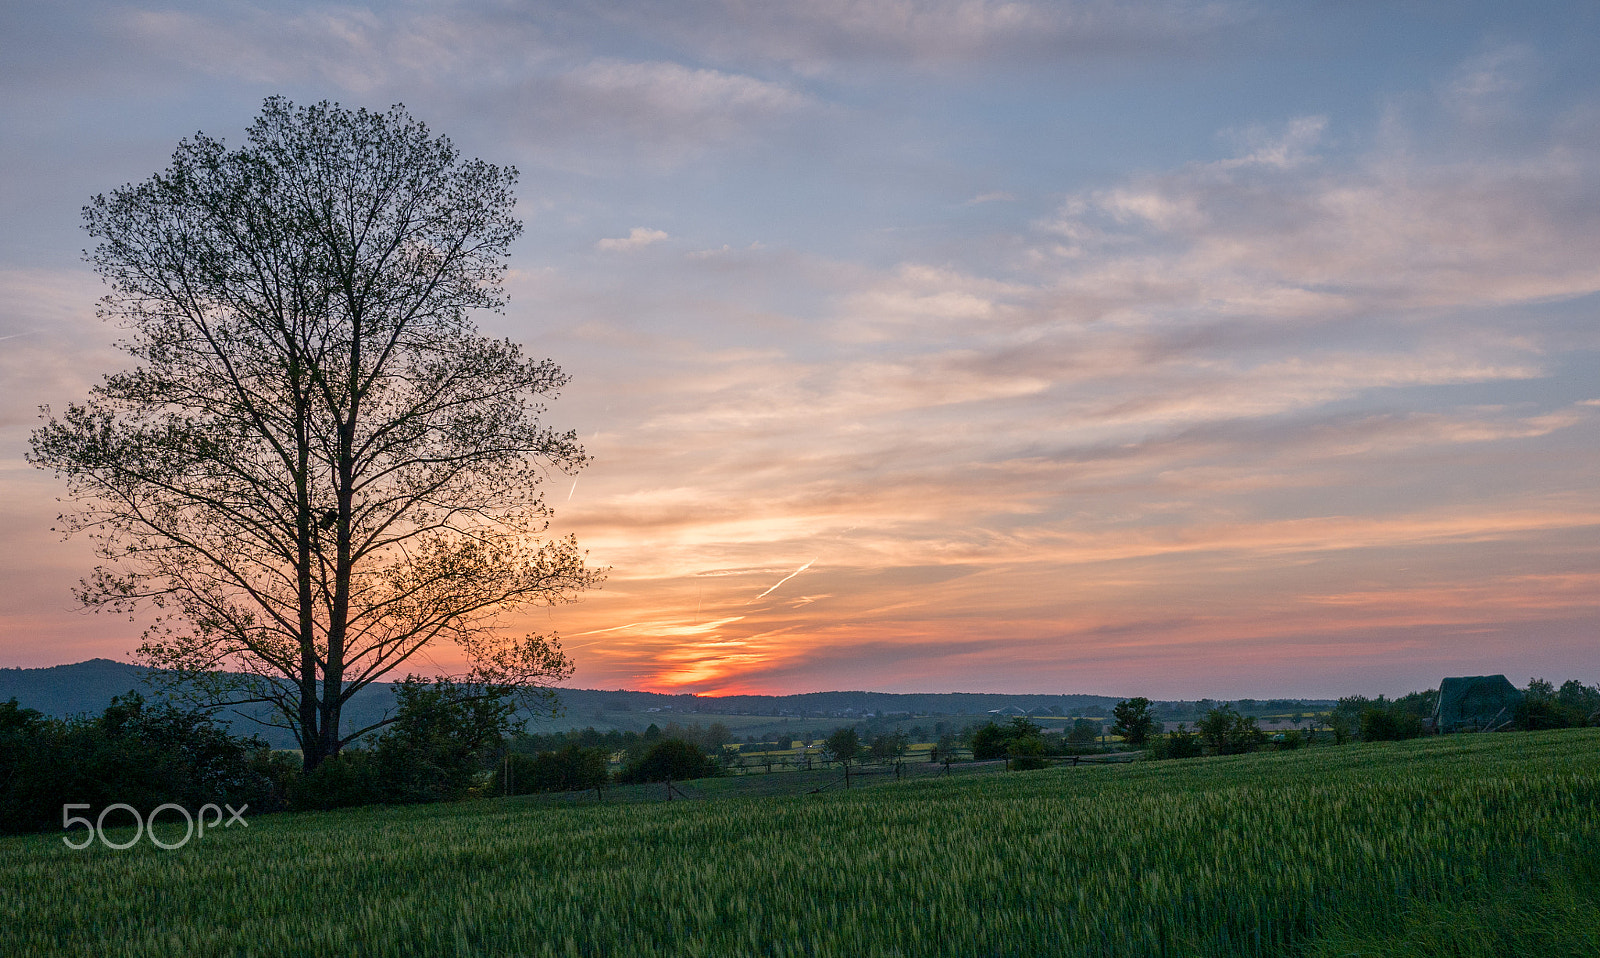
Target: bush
571 769
1535 715
277 771
1083 732
138 753
1543 707
1581 702
1180 743
440 746
1026 753
946 750
519 774
1389 725
989 742
1229 733
885 748
340 781
670 760
443 740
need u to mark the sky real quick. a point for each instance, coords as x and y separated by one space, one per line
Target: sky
1175 349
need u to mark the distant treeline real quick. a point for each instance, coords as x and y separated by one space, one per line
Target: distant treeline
447 743
87 688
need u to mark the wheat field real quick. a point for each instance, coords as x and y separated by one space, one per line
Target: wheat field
1452 846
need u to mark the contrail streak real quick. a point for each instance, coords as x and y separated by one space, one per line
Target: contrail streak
786 579
572 490
612 629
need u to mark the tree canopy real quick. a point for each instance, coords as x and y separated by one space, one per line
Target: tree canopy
317 466
1134 721
843 746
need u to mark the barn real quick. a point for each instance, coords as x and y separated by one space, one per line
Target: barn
1475 703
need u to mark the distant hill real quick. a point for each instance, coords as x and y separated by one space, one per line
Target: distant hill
63 691
67 690
88 687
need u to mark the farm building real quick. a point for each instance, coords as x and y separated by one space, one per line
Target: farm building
1472 703
1010 711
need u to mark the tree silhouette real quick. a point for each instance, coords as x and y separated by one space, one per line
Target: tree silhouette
317 467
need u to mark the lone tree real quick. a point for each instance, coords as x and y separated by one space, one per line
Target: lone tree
844 747
1135 723
317 467
1228 732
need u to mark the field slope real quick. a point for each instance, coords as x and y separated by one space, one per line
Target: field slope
1460 846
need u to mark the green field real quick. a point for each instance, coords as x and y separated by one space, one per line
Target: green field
1460 846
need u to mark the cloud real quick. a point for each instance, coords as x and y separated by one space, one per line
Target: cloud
681 92
1283 151
1325 391
637 238
1275 229
53 342
351 47
1487 85
479 63
819 36
1252 378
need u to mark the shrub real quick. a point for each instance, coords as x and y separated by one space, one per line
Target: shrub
1083 732
571 769
443 739
1534 715
339 781
1544 707
1180 743
1380 724
1026 753
989 742
946 750
670 759
138 753
1229 733
276 771
1581 702
889 747
518 774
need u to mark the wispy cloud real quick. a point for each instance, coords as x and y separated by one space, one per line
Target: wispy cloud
1063 379
818 36
637 238
1242 376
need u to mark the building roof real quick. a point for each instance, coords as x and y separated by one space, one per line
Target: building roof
1472 702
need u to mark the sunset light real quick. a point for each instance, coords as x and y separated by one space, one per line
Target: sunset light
1210 350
